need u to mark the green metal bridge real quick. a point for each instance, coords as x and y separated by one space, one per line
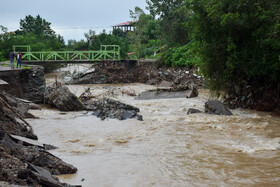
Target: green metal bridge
106 52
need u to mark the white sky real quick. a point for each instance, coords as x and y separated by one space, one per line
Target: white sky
70 18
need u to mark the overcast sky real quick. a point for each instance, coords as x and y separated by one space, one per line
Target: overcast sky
70 18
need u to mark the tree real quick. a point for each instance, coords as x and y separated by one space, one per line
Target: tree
237 41
172 14
136 13
90 36
3 29
35 32
143 39
119 32
110 39
36 25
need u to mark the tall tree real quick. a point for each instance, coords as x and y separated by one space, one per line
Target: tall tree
136 13
90 36
36 25
172 14
143 39
237 41
3 29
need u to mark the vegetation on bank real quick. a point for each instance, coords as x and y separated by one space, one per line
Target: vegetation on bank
232 41
235 43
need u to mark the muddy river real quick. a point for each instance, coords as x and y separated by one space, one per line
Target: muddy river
168 148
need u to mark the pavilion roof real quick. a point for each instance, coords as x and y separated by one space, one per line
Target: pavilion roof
128 23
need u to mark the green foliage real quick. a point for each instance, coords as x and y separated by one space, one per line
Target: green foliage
117 38
2 58
35 32
136 13
145 40
36 25
172 14
74 45
236 40
3 29
180 56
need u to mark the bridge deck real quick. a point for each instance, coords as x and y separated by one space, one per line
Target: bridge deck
106 52
65 61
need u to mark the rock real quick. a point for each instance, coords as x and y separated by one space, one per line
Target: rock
193 111
15 154
109 108
61 98
216 107
9 124
43 176
126 114
34 106
21 106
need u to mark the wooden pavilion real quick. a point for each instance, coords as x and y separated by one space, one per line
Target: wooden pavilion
126 26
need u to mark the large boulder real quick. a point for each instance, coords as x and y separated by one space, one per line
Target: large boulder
216 107
60 97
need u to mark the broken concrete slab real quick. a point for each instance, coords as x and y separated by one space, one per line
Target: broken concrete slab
27 141
3 82
31 142
165 93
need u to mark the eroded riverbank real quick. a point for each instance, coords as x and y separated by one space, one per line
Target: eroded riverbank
169 148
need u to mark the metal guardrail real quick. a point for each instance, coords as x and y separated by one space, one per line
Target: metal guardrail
107 52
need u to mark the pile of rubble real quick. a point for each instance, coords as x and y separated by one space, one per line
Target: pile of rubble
138 72
22 160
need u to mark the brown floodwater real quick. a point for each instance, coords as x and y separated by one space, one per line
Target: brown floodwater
168 148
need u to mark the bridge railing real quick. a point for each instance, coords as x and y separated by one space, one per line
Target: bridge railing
111 52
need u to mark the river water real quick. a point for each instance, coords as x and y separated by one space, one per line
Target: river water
168 148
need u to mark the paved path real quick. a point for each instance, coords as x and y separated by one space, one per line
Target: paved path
7 68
